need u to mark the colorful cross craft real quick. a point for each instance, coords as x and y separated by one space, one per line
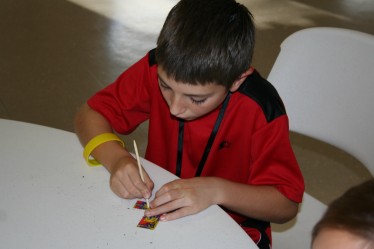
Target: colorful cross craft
141 205
149 222
146 222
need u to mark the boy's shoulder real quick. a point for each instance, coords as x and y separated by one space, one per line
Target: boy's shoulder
264 94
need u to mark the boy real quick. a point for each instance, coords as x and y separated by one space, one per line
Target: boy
213 121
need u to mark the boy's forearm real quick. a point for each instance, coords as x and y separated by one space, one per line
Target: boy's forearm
88 124
260 202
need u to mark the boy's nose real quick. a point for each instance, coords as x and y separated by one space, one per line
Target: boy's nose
177 106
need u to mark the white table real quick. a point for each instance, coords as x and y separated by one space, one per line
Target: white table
50 198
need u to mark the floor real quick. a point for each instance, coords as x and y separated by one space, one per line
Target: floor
55 54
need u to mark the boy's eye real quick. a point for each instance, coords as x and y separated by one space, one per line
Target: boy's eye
195 100
163 86
198 101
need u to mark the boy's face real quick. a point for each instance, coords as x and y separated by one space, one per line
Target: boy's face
188 101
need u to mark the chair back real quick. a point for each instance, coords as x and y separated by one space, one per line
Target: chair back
325 77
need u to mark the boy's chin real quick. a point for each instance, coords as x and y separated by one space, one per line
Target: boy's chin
192 118
187 118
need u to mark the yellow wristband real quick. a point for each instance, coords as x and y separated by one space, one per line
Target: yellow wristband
95 142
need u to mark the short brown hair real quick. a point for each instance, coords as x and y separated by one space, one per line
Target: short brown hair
352 212
206 41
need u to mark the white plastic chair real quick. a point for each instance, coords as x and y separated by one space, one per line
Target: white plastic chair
325 77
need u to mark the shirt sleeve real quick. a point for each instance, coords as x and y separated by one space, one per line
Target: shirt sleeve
126 102
274 160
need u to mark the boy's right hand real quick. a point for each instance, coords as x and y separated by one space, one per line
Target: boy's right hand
125 180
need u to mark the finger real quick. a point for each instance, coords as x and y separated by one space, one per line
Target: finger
176 184
124 184
148 182
168 196
139 178
165 208
126 181
168 202
179 213
119 189
138 186
134 185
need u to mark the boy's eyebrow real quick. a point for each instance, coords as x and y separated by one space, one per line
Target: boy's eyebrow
162 81
189 95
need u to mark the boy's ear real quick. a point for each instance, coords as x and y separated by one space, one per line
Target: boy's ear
237 83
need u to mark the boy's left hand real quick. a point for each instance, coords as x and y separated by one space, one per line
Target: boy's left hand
183 197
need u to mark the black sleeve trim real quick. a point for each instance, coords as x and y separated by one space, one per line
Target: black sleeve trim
264 93
152 57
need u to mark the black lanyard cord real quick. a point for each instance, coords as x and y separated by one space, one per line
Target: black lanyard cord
180 148
207 147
